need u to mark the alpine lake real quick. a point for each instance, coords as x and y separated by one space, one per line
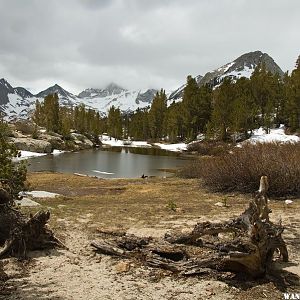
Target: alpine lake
113 162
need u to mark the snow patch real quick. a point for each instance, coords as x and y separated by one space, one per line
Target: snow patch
26 202
275 135
40 194
110 141
172 147
57 152
28 154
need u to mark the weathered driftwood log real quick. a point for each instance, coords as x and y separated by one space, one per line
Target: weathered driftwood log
245 244
19 234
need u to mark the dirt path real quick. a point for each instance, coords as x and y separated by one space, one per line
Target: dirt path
79 274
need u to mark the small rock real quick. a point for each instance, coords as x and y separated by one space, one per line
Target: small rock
220 204
122 267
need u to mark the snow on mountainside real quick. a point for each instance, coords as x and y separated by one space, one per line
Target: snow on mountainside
111 89
243 66
126 100
15 101
19 103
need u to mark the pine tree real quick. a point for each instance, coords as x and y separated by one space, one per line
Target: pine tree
174 122
138 125
196 108
190 94
50 109
157 115
12 175
66 116
221 119
244 110
114 123
261 83
293 101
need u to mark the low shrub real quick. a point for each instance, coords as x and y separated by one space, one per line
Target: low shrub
213 148
241 169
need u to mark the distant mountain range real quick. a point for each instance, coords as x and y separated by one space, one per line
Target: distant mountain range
19 103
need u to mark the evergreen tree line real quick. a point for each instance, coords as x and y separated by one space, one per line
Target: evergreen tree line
61 119
231 109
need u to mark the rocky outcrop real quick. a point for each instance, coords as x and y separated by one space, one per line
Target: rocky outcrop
46 143
29 144
81 141
56 141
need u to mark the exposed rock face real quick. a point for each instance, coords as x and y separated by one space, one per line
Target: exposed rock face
5 89
146 97
28 144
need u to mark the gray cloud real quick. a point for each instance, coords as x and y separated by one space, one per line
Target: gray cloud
138 43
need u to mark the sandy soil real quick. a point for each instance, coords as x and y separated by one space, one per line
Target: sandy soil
79 273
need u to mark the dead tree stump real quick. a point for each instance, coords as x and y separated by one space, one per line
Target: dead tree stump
244 244
20 234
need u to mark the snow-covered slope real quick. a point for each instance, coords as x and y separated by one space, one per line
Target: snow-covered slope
126 100
243 66
15 101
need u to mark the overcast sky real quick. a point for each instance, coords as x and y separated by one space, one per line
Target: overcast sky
138 43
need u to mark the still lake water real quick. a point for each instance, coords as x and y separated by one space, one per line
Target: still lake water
110 163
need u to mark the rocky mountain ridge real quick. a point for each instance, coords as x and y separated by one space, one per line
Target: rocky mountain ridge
243 66
19 102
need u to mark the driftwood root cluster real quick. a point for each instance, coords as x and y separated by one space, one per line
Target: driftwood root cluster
20 234
245 244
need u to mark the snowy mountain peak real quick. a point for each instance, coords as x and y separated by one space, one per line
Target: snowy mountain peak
23 92
113 88
55 89
5 84
243 66
109 90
